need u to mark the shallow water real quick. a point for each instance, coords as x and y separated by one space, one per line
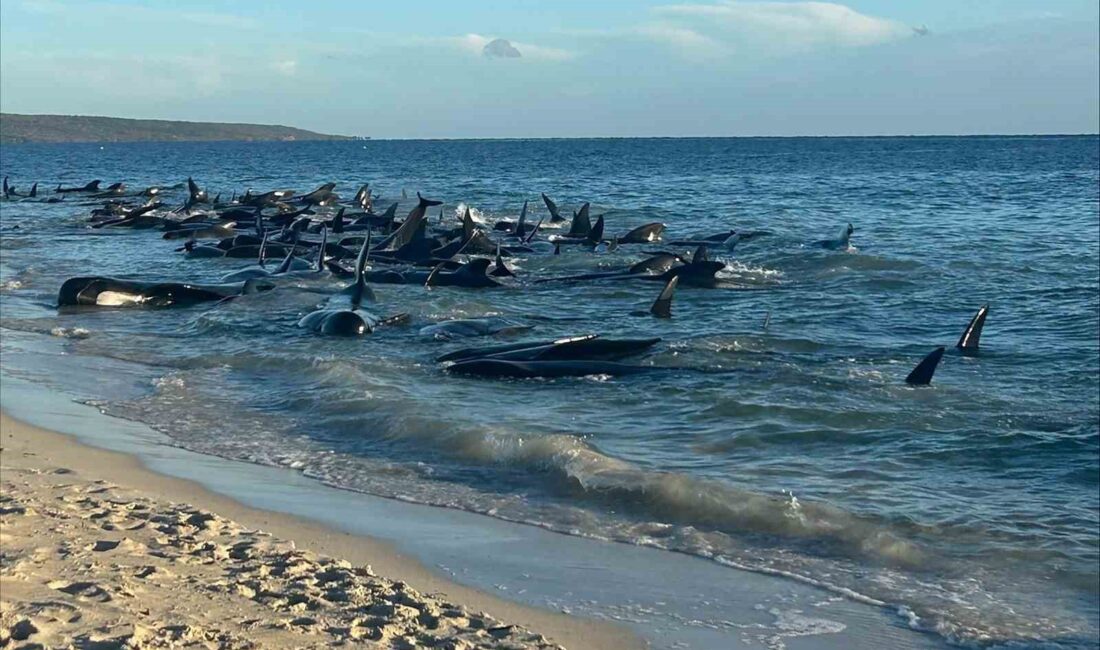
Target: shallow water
973 503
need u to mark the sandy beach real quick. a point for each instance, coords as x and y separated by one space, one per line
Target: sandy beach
99 552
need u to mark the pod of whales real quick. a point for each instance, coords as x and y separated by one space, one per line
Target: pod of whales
416 250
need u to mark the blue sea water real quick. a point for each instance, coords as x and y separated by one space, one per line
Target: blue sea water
972 506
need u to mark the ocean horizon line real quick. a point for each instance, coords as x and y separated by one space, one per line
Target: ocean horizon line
363 139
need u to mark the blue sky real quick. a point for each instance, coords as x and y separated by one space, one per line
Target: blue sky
568 68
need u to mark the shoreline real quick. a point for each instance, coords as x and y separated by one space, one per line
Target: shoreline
60 461
578 591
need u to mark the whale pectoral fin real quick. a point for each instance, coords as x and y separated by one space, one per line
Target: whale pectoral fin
922 374
972 335
662 307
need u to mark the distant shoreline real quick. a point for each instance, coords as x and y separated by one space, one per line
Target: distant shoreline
169 131
17 128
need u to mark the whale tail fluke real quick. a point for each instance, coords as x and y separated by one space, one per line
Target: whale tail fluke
427 203
922 374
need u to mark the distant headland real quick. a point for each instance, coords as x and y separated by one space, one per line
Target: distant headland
16 128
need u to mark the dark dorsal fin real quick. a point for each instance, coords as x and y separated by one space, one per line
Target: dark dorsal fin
595 235
972 335
93 186
359 288
193 189
534 231
552 207
467 224
557 249
700 255
338 222
581 224
430 282
362 195
34 191
321 251
521 224
361 259
922 374
662 307
500 269
390 212
285 265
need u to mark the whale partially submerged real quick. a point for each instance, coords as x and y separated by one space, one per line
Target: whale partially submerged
344 314
112 292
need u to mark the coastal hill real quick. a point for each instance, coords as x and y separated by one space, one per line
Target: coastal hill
15 128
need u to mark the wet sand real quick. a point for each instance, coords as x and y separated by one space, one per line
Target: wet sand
98 550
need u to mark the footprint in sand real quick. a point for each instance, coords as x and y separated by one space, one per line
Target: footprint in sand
83 590
102 545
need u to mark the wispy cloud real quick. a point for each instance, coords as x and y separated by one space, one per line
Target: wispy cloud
683 39
773 27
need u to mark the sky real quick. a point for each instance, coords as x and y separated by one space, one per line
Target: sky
565 68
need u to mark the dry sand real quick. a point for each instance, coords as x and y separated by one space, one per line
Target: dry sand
96 551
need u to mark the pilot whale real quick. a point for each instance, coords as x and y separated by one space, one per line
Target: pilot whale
111 292
343 314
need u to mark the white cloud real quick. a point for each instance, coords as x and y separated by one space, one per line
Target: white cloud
770 26
684 39
545 53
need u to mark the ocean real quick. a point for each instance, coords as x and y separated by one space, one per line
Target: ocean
970 507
